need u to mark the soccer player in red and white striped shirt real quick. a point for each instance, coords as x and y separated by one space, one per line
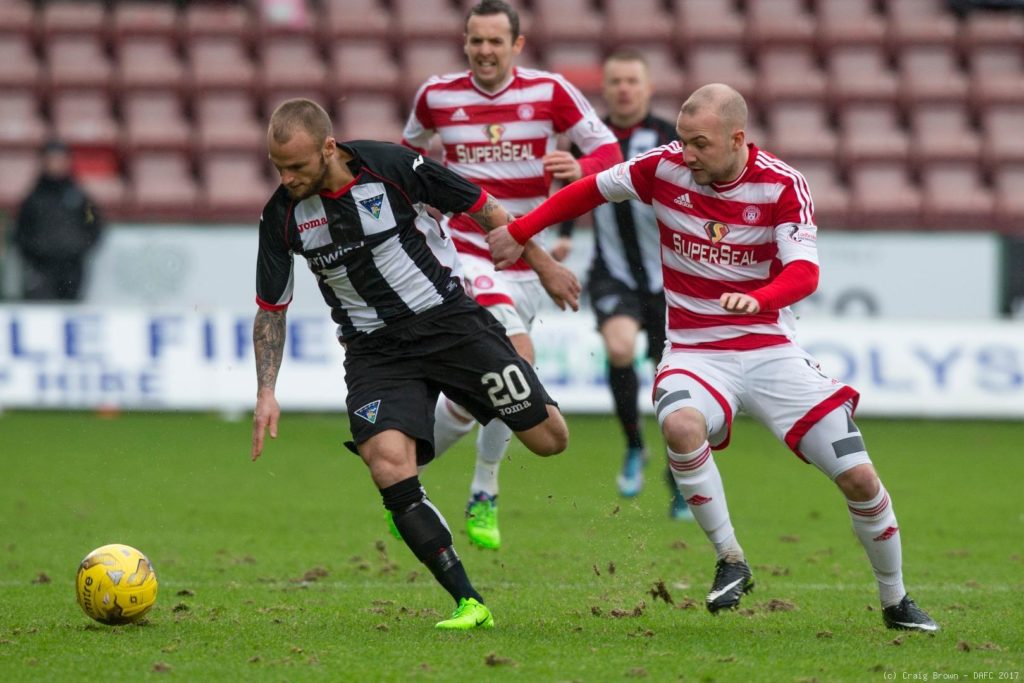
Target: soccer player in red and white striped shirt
738 246
498 125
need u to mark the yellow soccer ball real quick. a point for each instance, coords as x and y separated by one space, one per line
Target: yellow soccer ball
116 584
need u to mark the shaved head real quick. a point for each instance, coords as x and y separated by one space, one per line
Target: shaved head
300 114
721 100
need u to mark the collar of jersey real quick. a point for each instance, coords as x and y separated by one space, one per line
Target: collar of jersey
341 190
499 91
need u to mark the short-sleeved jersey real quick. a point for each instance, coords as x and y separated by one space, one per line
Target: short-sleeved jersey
626 243
733 237
378 257
497 140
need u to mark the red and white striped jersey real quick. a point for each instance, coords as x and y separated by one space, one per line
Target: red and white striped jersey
497 140
720 238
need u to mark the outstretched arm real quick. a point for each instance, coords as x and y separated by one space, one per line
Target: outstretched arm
559 282
268 334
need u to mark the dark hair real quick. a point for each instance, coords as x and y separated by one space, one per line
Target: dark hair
491 7
628 54
300 114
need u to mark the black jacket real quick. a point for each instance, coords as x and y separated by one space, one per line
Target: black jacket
56 221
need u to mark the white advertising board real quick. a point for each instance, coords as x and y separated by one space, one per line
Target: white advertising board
932 275
196 359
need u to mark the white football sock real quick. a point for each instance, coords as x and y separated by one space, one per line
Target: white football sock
451 423
491 443
874 522
698 480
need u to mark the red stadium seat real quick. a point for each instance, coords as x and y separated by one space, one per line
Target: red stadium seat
235 184
779 22
707 22
830 196
149 63
154 121
556 21
359 66
789 73
580 63
109 191
667 75
426 19
222 19
79 17
1002 142
996 76
19 170
992 30
882 197
19 67
362 19
871 133
718 63
860 73
423 59
929 74
85 119
21 123
227 121
218 63
848 22
801 130
135 19
637 21
917 22
18 17
1009 199
955 198
78 62
292 63
370 117
162 185
943 132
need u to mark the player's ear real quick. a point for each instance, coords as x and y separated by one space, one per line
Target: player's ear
518 43
739 138
330 146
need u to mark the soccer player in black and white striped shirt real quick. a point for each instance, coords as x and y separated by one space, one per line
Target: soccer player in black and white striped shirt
357 212
625 282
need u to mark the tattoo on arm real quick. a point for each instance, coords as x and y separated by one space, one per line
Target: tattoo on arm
268 332
491 215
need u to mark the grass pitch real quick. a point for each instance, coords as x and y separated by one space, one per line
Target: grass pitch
283 569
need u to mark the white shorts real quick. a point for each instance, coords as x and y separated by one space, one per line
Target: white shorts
782 387
513 302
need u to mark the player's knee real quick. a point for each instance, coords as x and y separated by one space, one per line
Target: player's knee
859 483
684 430
550 437
620 352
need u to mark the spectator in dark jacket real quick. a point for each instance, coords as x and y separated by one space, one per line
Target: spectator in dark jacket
57 227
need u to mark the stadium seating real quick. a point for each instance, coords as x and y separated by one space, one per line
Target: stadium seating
1009 199
954 198
846 87
21 124
18 172
234 182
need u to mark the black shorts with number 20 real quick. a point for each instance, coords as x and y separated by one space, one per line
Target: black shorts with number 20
394 376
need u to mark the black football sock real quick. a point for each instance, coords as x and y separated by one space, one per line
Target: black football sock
425 532
624 386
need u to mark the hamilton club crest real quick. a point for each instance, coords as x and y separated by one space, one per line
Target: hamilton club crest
372 205
369 411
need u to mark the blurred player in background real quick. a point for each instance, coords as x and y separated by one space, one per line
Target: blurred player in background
739 246
357 213
497 124
625 282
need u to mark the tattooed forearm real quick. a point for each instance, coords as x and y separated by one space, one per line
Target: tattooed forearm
491 215
268 331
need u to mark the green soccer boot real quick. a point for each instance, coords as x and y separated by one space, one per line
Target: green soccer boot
469 614
482 521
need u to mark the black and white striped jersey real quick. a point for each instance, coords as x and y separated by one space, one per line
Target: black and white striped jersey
627 243
376 253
